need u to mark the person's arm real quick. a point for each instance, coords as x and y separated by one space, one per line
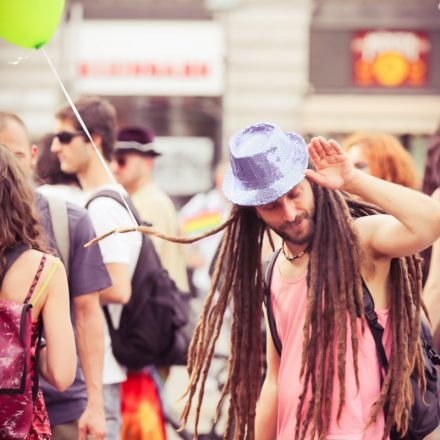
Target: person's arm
88 276
414 220
116 250
267 406
431 291
120 290
89 326
58 360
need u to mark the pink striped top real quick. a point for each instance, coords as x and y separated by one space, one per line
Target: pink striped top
289 297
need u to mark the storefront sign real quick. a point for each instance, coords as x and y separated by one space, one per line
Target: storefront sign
155 58
390 58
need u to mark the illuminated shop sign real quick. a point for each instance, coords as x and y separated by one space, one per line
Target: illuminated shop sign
390 58
154 58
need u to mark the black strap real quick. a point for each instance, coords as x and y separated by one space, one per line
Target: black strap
426 340
108 318
113 194
267 277
376 330
35 385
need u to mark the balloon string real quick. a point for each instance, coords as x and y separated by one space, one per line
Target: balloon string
86 131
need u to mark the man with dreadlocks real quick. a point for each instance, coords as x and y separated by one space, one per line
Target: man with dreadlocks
326 383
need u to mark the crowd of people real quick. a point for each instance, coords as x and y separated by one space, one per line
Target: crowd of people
339 222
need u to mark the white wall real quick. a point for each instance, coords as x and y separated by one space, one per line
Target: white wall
266 63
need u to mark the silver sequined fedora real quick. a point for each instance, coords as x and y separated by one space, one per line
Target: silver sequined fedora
266 163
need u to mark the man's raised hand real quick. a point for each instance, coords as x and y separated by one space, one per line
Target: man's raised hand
333 168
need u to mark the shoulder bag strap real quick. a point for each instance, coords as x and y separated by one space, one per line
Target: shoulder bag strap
35 280
113 194
35 384
376 330
267 277
60 226
32 302
108 318
426 340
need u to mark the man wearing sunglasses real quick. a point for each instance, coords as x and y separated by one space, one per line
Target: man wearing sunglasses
78 411
132 166
120 253
65 137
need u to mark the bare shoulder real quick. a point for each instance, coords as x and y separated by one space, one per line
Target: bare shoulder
34 257
52 259
54 264
375 266
436 194
368 226
30 260
21 274
26 261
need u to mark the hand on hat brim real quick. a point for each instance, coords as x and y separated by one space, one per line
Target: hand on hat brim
333 167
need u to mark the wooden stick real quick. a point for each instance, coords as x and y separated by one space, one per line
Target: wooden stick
150 231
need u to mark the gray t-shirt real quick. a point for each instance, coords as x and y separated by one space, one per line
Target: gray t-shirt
87 274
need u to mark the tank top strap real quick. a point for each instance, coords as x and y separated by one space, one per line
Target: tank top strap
46 282
36 278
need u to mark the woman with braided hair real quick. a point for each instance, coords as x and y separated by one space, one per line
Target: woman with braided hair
326 384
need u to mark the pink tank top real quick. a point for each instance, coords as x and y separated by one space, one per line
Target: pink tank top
289 297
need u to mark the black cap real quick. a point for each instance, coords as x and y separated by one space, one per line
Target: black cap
136 140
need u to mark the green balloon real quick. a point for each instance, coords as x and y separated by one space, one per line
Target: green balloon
29 23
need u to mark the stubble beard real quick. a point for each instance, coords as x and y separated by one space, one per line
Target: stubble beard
307 235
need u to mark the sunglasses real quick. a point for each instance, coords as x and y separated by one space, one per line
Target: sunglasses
121 161
65 137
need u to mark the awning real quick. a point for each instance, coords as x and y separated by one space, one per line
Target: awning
398 114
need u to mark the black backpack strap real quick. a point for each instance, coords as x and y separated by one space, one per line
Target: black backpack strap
113 194
35 384
376 330
427 343
108 318
267 276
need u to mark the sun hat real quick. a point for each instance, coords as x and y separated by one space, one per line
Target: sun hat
135 140
266 163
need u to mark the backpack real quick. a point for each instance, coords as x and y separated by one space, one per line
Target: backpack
17 392
154 328
425 412
60 226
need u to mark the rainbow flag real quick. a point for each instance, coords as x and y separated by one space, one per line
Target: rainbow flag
202 222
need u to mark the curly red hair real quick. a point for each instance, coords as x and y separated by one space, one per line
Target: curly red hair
387 158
